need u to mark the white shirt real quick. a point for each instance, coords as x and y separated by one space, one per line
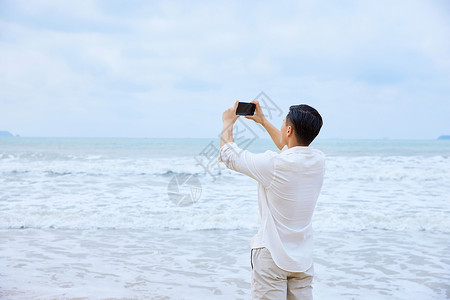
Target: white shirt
289 184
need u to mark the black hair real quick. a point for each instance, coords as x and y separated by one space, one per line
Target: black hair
306 122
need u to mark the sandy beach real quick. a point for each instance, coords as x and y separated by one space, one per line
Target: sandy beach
212 264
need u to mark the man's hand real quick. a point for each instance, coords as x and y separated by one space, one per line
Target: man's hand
258 117
229 116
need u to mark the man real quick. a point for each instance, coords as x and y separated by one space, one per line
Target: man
289 184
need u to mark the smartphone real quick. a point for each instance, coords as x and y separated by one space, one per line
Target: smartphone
245 109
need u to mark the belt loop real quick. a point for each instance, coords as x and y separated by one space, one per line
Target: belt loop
251 258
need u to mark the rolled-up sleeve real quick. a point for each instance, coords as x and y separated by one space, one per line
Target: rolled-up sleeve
258 166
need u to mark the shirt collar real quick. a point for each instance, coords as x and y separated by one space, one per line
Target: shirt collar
286 150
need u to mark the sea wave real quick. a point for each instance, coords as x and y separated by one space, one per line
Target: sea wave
208 216
97 191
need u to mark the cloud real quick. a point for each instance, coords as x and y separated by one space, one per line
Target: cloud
138 67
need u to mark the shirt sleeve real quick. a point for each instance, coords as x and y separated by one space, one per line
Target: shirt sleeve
258 166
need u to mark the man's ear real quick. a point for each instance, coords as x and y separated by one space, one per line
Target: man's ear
289 130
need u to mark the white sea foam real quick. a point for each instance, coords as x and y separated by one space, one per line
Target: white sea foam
359 193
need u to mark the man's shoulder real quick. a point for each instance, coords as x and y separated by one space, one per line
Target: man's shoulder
300 159
270 154
318 153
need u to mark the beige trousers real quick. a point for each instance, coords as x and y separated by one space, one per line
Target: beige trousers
271 282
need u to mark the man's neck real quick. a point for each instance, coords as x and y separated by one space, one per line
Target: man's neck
294 143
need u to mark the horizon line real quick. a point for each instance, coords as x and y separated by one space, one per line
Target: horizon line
264 138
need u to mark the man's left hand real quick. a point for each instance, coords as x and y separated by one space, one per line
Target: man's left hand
229 116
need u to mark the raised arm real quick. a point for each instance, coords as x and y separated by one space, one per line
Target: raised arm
274 132
229 117
257 166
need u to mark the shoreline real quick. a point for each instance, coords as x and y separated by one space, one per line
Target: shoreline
164 264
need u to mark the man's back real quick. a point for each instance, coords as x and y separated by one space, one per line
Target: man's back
291 198
289 184
298 177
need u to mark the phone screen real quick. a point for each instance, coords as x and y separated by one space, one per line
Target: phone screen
245 109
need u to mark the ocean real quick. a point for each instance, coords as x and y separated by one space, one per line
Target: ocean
137 218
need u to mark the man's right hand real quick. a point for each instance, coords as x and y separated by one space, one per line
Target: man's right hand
258 117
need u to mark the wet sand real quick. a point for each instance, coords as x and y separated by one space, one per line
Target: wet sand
213 264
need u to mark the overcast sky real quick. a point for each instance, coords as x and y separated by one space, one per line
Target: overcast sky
373 69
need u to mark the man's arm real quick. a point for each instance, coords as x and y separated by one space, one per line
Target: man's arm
257 166
274 132
229 117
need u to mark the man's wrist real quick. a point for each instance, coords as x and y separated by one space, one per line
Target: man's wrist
263 122
227 124
227 133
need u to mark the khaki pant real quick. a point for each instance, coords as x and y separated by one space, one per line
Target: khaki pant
271 282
